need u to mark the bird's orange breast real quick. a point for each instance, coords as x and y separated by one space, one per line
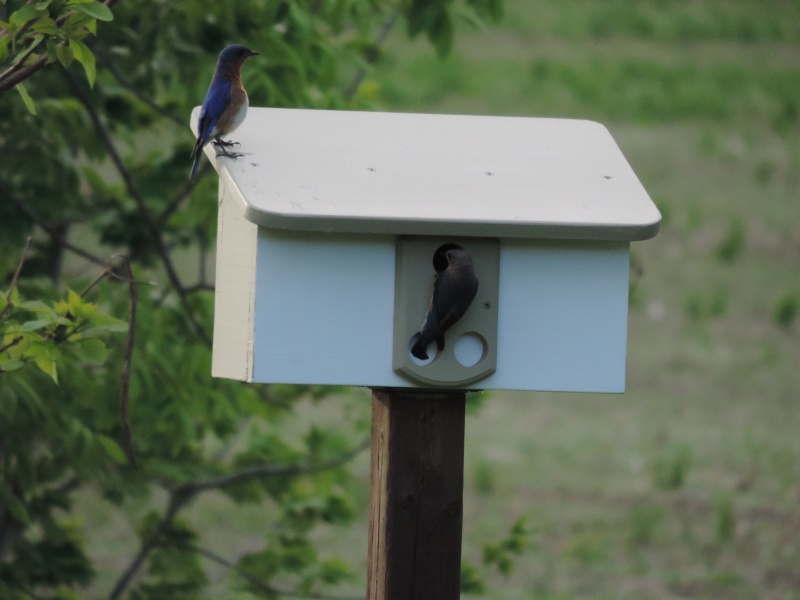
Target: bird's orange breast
236 110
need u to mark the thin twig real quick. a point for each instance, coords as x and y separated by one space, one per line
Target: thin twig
18 74
53 232
18 270
8 307
183 193
371 54
106 272
135 90
176 503
110 272
10 344
199 287
125 378
21 262
255 581
270 470
69 485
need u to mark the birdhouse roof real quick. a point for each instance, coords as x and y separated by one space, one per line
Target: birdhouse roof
403 173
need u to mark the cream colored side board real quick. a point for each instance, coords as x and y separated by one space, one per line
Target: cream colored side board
235 290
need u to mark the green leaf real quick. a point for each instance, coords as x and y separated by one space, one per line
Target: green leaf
24 14
43 356
29 104
95 10
34 325
36 306
64 55
111 448
75 25
48 366
91 350
471 581
46 25
12 364
334 570
74 301
86 57
109 323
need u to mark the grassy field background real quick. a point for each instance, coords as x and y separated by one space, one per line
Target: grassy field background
688 485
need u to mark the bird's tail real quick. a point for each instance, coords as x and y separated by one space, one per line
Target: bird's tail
195 164
197 152
420 348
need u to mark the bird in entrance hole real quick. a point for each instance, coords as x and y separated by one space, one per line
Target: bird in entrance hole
454 289
225 105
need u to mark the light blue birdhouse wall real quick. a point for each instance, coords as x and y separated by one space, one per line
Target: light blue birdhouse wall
311 215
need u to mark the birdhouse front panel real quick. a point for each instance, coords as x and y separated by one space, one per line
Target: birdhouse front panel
431 251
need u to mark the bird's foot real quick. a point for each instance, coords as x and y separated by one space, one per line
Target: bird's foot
224 143
223 152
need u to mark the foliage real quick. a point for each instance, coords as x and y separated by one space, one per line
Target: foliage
786 310
43 32
95 161
499 556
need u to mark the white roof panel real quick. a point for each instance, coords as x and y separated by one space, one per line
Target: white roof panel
404 173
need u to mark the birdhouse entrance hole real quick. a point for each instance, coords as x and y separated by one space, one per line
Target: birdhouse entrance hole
470 345
440 256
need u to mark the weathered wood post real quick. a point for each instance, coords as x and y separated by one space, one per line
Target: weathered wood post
416 495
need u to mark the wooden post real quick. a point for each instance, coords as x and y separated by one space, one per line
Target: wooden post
416 495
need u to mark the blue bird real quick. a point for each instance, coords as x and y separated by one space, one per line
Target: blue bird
225 105
454 289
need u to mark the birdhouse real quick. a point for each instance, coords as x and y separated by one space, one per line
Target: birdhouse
336 228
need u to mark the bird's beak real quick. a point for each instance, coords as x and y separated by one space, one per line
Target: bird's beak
253 53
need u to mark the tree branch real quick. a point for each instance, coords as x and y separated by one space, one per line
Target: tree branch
134 192
50 230
176 503
13 76
182 194
258 583
371 55
13 284
199 287
270 470
10 344
125 377
109 66
180 496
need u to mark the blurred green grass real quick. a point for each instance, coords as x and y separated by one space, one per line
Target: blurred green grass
688 485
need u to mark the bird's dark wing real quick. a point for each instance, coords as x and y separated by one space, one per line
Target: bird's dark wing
453 292
427 334
217 100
